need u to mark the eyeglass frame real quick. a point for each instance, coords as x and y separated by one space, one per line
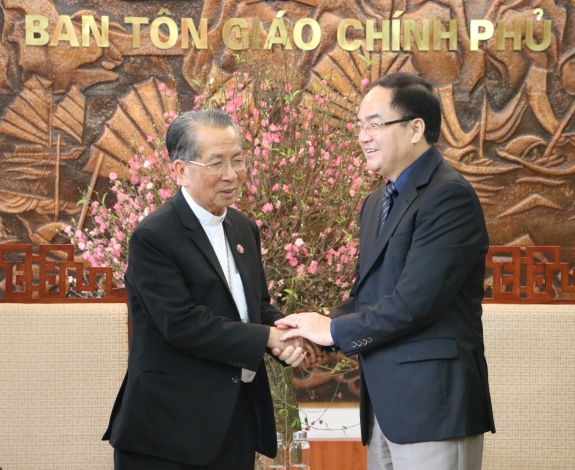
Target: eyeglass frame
377 125
225 167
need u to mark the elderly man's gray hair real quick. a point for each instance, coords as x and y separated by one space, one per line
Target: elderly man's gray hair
181 138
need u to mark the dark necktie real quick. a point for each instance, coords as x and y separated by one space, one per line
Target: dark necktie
387 202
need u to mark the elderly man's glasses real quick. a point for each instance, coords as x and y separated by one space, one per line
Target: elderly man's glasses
369 128
238 164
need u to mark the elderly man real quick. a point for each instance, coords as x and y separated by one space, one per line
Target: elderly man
414 313
196 394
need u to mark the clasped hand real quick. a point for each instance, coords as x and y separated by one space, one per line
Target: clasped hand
299 345
295 352
309 325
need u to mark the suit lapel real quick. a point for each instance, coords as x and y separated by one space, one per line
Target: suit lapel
198 234
402 203
236 239
418 178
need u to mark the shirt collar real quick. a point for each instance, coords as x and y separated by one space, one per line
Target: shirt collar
402 179
205 217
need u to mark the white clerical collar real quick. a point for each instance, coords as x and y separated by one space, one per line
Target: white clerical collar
205 217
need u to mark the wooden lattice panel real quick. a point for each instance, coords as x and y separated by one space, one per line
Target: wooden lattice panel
53 275
533 274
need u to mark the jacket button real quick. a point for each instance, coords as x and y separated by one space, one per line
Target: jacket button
364 342
236 379
369 339
353 344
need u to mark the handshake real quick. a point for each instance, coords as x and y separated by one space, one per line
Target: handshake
297 339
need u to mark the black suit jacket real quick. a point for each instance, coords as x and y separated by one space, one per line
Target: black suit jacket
414 313
188 344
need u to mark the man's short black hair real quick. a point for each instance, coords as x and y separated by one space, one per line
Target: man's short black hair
413 96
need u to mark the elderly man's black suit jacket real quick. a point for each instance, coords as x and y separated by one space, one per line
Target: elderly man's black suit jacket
188 344
414 313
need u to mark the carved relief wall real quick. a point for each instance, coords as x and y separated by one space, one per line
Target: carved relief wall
72 109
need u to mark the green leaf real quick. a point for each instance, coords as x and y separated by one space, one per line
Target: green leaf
368 62
291 293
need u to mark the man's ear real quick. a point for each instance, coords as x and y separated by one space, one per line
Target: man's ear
179 172
418 130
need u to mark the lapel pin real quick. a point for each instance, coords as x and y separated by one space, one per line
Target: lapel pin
240 249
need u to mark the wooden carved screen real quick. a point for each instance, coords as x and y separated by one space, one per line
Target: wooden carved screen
71 115
52 275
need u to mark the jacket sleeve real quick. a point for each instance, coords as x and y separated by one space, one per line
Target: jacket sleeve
159 293
448 242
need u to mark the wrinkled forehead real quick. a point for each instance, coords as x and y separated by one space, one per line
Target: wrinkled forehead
217 142
209 130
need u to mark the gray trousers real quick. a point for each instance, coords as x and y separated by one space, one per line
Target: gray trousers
465 453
